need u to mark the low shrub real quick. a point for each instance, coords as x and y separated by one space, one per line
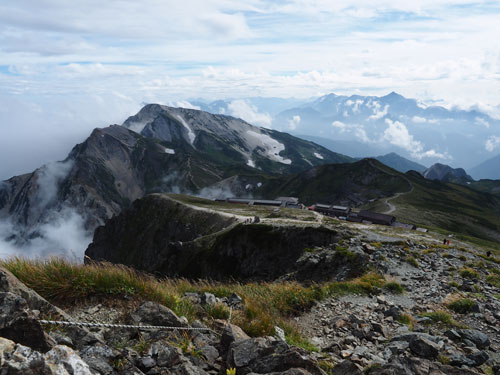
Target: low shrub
394 287
462 305
412 261
468 273
442 318
493 280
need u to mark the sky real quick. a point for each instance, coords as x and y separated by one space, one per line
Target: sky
67 67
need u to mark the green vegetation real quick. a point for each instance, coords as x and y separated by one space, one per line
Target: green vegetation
412 261
493 280
453 284
408 320
462 305
266 304
442 318
394 287
378 245
468 273
444 359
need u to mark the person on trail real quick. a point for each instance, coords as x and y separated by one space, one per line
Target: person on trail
444 241
448 242
488 253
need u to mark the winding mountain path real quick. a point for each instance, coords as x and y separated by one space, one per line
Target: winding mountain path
391 206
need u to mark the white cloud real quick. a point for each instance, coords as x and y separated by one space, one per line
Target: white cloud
482 121
355 104
355 129
378 114
419 119
249 113
185 104
492 143
49 177
61 235
339 125
294 122
397 134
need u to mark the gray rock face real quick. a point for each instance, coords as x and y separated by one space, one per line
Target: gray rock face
18 323
424 348
346 367
479 339
264 355
152 313
60 360
445 173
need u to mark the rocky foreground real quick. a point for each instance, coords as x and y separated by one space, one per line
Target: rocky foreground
445 322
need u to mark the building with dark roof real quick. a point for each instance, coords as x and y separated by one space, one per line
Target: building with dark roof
376 218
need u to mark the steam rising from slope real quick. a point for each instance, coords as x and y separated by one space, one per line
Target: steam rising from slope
63 235
60 230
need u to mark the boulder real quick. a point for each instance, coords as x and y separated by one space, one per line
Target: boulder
346 367
417 366
479 339
267 355
152 313
231 334
20 359
424 348
19 324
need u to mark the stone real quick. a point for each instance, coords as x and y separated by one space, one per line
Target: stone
394 312
145 363
424 348
480 340
266 355
234 300
380 328
208 299
231 334
346 367
279 333
18 323
66 360
478 358
152 313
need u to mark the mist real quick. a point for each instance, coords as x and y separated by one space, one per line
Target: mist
63 235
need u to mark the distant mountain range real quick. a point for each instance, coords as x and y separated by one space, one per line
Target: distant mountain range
363 126
489 169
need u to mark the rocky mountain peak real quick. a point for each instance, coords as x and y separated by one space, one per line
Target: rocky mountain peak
445 173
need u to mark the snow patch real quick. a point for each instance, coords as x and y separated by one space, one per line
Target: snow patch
137 126
251 163
272 147
248 186
169 151
259 184
191 134
319 156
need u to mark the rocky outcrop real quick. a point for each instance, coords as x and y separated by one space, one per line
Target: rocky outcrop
162 236
445 173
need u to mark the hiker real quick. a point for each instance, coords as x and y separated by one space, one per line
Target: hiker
448 242
488 253
444 241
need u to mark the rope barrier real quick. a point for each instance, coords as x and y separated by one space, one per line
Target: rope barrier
108 325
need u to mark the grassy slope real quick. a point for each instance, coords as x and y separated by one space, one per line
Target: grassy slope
334 182
450 207
266 304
